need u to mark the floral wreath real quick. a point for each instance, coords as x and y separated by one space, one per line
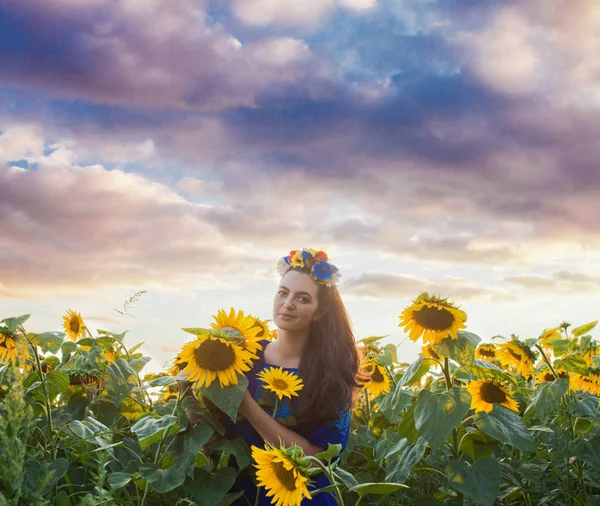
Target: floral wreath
314 261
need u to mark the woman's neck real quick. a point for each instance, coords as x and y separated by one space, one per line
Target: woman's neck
287 349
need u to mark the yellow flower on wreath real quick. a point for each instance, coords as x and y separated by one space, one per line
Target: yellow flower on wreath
210 357
433 318
378 379
588 383
73 324
517 355
244 324
485 393
486 351
11 348
281 472
281 383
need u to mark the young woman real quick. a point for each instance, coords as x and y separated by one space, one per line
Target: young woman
314 342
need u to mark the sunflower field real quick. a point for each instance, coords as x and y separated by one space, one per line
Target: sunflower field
512 421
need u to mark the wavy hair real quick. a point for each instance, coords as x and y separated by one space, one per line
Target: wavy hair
329 364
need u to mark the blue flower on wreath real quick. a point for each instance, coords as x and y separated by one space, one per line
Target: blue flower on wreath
306 256
322 270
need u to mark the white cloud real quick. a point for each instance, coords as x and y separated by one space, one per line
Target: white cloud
358 5
307 13
19 142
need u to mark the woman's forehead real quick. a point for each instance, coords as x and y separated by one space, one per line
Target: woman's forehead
299 282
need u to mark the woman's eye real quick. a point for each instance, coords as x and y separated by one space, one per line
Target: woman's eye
304 300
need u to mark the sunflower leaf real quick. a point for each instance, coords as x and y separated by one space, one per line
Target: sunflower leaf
13 322
487 370
392 403
546 399
583 329
505 426
47 341
208 489
415 372
479 481
227 399
401 458
376 488
372 339
572 363
436 414
462 349
332 451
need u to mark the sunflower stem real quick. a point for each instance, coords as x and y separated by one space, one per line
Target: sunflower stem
163 438
545 359
329 473
276 407
44 381
446 370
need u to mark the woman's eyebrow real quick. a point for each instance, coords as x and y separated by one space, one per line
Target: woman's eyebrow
282 287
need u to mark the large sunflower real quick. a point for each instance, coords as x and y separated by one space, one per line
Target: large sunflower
486 351
517 355
73 325
10 348
589 383
281 473
378 379
264 330
433 318
245 326
485 392
210 357
281 383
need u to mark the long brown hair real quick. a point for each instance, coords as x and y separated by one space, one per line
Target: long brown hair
329 362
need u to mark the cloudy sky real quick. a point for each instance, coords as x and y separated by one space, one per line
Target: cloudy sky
182 146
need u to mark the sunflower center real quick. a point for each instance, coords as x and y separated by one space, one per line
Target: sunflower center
487 353
515 355
434 318
285 476
548 376
280 384
491 393
214 355
74 325
377 377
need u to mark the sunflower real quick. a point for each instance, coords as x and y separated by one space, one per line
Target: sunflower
546 375
264 332
281 383
433 318
595 350
486 351
281 472
518 355
589 383
548 337
378 379
429 352
485 393
210 357
73 325
245 326
11 348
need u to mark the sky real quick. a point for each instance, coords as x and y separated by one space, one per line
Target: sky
181 147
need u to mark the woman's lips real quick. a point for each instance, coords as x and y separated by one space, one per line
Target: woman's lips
286 316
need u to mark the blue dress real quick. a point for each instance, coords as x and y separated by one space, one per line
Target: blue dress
334 432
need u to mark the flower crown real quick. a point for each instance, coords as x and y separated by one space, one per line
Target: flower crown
315 261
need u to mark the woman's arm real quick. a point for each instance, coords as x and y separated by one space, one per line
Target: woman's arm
271 430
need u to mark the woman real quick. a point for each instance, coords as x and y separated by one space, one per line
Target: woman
315 342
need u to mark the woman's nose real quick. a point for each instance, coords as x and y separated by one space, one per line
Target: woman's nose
289 302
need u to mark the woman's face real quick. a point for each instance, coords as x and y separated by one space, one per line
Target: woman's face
296 301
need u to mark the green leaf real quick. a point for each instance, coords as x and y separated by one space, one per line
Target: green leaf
487 370
13 322
58 382
376 488
573 363
185 448
208 489
406 427
479 481
345 477
148 427
227 399
105 342
332 451
236 447
164 381
137 364
392 403
393 349
461 350
61 499
589 452
42 476
68 347
48 341
546 399
401 458
436 414
505 426
198 331
476 444
386 359
118 480
415 372
583 329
